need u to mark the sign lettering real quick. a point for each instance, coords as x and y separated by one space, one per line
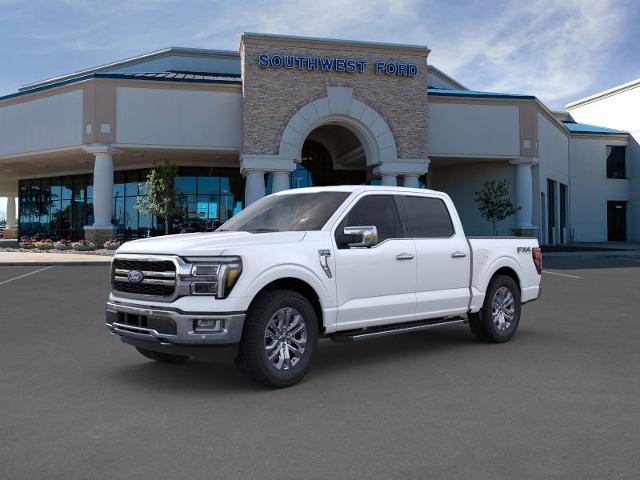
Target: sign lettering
337 64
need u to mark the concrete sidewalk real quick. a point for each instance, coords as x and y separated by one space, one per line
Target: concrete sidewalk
37 259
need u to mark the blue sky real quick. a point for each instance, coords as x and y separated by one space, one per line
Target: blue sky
557 50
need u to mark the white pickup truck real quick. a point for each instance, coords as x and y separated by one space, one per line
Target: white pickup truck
345 262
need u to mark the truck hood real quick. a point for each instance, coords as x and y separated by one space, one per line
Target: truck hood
208 243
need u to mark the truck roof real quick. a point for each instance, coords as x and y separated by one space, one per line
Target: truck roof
355 189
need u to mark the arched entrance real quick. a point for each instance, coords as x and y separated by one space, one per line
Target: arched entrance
346 117
333 155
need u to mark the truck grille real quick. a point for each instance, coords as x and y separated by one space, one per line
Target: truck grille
158 277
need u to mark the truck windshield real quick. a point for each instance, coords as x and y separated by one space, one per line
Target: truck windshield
282 213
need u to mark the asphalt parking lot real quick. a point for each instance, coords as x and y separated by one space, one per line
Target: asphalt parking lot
562 400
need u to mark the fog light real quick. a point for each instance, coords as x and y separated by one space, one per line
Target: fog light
204 288
209 326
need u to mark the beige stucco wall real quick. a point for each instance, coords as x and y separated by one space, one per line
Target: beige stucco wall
178 117
50 122
459 129
272 96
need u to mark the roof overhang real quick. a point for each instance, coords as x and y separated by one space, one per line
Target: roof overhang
605 93
145 57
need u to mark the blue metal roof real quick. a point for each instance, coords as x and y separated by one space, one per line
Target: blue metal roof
187 77
444 92
575 127
176 75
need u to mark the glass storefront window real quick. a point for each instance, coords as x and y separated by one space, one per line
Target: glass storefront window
60 207
67 188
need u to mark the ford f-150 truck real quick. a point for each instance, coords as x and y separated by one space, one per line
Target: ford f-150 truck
344 262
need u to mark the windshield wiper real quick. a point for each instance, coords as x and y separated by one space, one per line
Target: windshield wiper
263 230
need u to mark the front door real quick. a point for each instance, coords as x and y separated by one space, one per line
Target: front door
375 285
617 221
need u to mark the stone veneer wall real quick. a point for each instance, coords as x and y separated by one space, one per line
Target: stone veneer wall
271 96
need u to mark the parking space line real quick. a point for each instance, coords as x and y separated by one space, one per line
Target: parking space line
25 275
561 274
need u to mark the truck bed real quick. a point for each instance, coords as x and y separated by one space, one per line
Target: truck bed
490 254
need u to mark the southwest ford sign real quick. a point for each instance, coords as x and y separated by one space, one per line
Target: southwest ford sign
331 64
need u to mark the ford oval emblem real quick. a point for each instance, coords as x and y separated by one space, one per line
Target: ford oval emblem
135 276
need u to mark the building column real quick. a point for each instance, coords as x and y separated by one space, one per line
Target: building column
524 196
254 166
11 232
409 169
11 211
411 181
102 228
389 179
254 188
280 181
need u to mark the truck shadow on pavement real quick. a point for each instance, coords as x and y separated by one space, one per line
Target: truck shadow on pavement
332 360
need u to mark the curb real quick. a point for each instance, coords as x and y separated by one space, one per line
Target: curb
81 263
617 253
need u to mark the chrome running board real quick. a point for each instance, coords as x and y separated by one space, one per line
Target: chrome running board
398 328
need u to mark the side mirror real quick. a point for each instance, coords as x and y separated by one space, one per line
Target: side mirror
360 236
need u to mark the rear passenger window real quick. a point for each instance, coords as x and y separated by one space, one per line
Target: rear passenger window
375 210
426 217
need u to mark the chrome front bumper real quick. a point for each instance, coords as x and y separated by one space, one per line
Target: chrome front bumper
179 328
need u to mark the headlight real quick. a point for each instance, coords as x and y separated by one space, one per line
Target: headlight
214 275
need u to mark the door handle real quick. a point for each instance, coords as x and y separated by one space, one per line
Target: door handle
458 255
404 256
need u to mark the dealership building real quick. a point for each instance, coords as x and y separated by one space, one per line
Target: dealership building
288 112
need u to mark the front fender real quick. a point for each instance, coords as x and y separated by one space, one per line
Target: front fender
298 272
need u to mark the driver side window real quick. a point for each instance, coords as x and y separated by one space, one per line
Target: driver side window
375 210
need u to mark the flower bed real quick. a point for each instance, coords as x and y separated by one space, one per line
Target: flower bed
83 245
62 245
43 244
112 244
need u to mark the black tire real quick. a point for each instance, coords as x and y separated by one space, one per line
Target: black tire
253 346
162 357
482 324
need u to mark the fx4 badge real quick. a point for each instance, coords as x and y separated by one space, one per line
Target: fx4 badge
524 249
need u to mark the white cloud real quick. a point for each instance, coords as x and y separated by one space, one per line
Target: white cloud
548 48
554 49
543 47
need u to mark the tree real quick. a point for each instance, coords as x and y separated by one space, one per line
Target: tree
494 203
160 199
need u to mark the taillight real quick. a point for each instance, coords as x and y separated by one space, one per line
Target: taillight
536 253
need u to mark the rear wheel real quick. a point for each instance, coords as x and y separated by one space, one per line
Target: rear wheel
279 338
162 357
499 317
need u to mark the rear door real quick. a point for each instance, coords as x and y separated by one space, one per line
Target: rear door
375 285
442 254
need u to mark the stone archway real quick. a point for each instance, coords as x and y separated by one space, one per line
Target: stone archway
340 108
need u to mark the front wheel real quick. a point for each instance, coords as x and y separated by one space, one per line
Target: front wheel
499 317
279 338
